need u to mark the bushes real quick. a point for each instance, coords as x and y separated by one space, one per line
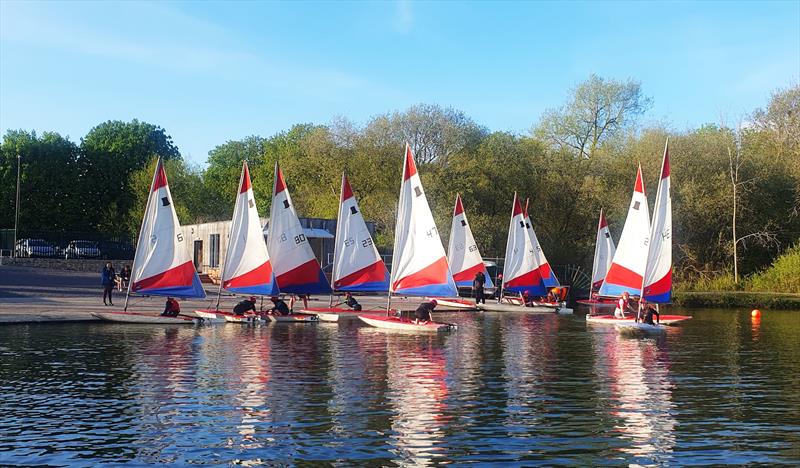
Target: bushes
783 275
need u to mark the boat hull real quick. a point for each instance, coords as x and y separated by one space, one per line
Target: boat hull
595 304
639 328
293 318
395 323
224 316
454 303
500 307
611 320
332 314
140 317
558 307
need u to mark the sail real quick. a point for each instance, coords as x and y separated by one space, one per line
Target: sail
603 253
247 268
657 285
627 268
462 251
549 279
295 267
419 266
357 266
520 270
162 265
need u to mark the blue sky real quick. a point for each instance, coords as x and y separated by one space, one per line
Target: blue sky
209 72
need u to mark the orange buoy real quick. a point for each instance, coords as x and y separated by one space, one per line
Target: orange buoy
755 313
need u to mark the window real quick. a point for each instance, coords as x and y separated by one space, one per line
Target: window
213 245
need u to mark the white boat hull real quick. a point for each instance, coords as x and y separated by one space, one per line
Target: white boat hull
139 317
395 323
333 314
611 320
634 327
500 307
454 303
293 318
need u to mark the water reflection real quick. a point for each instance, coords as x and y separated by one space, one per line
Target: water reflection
634 377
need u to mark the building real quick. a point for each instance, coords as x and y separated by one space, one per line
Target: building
209 241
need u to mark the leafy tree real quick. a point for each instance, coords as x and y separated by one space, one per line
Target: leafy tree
597 110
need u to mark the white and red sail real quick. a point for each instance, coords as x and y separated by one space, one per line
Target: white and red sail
521 269
549 279
657 285
162 265
357 266
603 253
462 251
627 267
419 266
294 264
247 268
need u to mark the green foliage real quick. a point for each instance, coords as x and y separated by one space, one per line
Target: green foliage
783 275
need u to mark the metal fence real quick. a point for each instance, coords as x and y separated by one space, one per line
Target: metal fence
66 244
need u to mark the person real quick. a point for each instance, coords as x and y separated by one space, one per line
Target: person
245 305
526 298
123 278
648 311
477 287
623 305
351 301
171 308
423 313
107 279
279 307
552 296
498 293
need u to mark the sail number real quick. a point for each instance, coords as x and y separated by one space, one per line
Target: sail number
299 239
180 237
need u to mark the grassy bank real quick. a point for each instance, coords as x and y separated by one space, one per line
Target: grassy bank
737 300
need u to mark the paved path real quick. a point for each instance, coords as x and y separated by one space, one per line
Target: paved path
40 295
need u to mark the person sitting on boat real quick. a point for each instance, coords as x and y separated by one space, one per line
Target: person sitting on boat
279 307
623 305
244 306
351 301
477 287
171 308
423 313
647 311
527 301
552 295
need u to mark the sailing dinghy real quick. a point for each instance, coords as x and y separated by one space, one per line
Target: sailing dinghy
520 270
357 266
603 254
162 265
295 266
247 268
549 279
465 260
419 266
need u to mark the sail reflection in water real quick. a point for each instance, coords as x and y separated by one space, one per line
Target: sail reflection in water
633 375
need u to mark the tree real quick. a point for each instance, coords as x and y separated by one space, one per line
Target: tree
597 110
110 153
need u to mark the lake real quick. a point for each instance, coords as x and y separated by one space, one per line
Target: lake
516 389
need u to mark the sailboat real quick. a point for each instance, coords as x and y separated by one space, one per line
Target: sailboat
464 258
247 268
357 266
655 283
162 265
419 266
294 264
520 270
549 279
603 254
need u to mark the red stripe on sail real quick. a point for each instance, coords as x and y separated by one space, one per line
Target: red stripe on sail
527 202
622 276
603 222
517 206
469 273
639 187
181 275
459 207
409 168
260 275
661 286
280 184
665 168
544 270
245 179
160 178
304 274
347 191
435 273
373 273
531 278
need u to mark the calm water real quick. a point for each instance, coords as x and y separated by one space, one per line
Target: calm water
523 389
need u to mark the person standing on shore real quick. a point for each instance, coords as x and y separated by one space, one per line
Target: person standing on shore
477 287
107 278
